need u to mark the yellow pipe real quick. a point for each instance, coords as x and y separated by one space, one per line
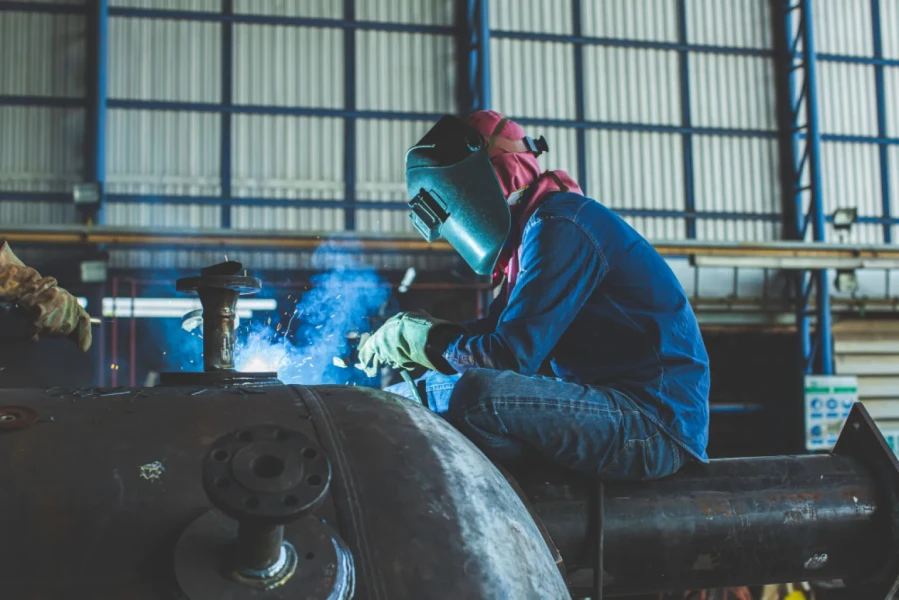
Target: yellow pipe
100 236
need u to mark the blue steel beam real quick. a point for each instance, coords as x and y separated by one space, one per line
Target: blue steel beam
216 17
227 97
802 317
349 122
579 98
58 9
47 101
823 323
817 350
686 120
679 46
860 60
477 33
95 132
484 54
880 90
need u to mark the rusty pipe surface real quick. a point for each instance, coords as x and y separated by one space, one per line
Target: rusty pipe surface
733 521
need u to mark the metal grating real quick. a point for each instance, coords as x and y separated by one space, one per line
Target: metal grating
627 85
177 216
851 177
737 175
847 99
432 12
735 92
630 19
43 54
533 79
737 23
546 16
408 72
164 60
154 153
321 9
182 5
287 157
620 176
643 82
889 29
844 27
380 158
41 149
891 90
29 212
288 66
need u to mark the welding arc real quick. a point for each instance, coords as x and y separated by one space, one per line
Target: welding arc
408 379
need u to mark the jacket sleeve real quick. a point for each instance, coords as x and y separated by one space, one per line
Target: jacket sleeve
488 323
561 266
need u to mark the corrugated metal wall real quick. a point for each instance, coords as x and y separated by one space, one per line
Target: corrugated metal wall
289 135
857 106
869 349
41 147
662 108
646 152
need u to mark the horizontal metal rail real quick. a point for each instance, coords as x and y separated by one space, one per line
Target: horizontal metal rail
286 240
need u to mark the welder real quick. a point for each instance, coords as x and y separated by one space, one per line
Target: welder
52 311
590 357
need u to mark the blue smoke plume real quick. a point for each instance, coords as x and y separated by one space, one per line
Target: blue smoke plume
315 347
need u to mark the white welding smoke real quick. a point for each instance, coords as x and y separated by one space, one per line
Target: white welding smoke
314 347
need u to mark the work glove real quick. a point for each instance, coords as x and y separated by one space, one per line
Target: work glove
55 311
401 343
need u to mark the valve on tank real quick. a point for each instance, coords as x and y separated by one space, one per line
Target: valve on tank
266 481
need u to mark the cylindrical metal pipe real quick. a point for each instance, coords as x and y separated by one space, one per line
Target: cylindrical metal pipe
219 310
732 522
257 547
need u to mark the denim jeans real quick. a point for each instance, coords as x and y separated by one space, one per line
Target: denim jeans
511 417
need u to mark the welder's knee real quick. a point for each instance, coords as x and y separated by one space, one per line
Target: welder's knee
473 391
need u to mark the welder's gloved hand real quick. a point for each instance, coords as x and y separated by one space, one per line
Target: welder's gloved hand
58 314
55 312
402 343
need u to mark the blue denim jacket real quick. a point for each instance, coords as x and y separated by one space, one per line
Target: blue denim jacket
595 300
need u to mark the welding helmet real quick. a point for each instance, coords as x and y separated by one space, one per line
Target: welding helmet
455 193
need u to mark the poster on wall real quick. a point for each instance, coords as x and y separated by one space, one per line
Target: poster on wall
828 400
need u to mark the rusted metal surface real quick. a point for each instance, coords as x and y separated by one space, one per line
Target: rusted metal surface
103 494
218 287
737 521
16 417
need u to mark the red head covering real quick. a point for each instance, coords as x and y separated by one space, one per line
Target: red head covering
516 168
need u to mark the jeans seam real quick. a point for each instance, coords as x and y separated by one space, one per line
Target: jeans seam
580 405
490 437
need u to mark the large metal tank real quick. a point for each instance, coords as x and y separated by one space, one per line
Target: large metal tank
103 496
230 485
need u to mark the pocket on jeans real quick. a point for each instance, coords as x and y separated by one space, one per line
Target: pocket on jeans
661 457
644 459
629 463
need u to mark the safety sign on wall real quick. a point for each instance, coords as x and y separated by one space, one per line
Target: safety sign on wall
828 400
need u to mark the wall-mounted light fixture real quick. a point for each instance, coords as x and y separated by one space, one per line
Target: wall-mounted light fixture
845 218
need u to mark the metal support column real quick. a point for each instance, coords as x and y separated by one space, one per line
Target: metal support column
686 120
349 122
882 132
579 101
227 99
95 132
805 182
477 41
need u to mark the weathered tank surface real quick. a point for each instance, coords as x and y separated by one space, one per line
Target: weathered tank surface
99 486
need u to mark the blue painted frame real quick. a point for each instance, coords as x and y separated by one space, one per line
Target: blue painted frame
474 33
817 348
